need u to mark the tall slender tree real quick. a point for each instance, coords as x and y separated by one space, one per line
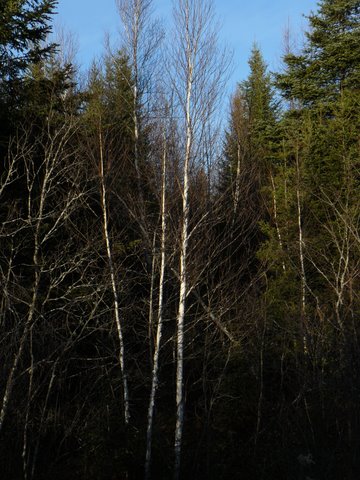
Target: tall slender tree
196 78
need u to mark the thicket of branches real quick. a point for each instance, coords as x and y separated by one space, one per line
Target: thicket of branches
177 301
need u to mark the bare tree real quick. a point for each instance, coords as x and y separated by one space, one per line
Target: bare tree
52 156
155 368
338 262
105 148
196 75
104 209
142 38
48 178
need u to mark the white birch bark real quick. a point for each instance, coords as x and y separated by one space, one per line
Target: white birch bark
197 78
276 218
187 13
155 369
36 216
237 180
183 274
151 297
104 208
301 252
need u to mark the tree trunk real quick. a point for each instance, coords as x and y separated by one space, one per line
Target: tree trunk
155 369
104 208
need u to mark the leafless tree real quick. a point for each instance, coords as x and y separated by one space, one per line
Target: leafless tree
48 173
142 38
104 209
196 76
155 368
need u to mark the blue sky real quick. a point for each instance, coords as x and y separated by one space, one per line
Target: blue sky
243 22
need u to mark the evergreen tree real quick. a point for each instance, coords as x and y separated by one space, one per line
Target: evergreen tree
259 96
24 27
248 142
311 253
319 128
248 153
330 61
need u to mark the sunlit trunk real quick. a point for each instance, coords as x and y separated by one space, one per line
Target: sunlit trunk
104 208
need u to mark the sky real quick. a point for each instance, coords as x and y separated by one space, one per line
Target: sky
243 22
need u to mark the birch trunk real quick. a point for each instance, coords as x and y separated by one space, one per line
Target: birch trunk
132 13
237 180
155 369
11 380
25 453
151 298
198 76
49 167
276 218
183 254
301 253
104 208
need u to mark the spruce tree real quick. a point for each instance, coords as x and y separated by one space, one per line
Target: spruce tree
317 174
323 86
259 96
252 121
24 28
330 61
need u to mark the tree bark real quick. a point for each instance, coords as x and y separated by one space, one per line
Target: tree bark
155 369
104 208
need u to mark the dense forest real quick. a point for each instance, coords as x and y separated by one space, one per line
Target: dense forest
178 299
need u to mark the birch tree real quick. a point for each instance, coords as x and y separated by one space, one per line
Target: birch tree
142 38
155 368
108 117
33 281
196 73
104 210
